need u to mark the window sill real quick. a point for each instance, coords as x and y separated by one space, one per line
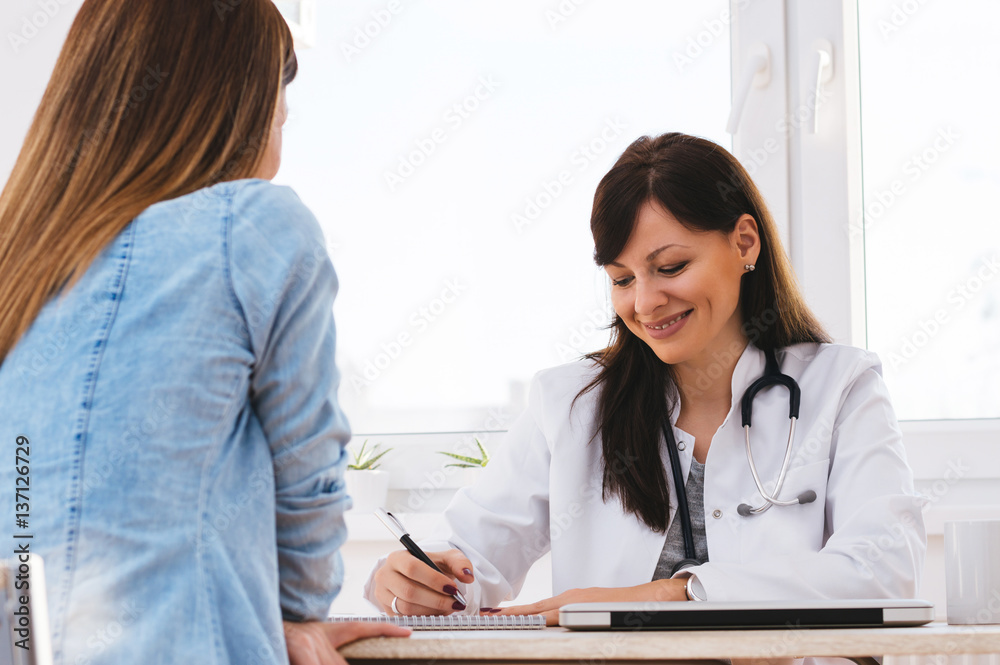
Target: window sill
953 449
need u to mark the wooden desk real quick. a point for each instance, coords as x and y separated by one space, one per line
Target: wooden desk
557 645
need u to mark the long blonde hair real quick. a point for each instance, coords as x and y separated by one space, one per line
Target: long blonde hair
149 101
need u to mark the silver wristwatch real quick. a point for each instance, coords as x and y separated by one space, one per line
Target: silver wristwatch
689 590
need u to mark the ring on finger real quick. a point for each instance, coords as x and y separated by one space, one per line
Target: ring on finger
393 606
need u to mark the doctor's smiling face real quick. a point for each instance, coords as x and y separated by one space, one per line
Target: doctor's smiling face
674 222
678 289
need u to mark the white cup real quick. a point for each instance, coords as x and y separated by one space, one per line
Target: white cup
972 571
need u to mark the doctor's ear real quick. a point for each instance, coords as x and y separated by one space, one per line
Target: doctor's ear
746 239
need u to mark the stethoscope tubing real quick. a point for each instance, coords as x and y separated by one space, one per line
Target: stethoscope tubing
772 377
771 499
681 492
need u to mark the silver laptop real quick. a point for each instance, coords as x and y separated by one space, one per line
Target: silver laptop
742 615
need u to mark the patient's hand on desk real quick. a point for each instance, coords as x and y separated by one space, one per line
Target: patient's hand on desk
419 589
316 642
658 590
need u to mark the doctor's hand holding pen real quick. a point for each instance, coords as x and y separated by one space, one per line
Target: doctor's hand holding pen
407 585
415 582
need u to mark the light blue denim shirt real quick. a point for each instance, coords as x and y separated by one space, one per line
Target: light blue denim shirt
186 445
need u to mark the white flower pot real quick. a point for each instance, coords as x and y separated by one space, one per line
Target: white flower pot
369 489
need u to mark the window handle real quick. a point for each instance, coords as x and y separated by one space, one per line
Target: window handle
824 74
756 74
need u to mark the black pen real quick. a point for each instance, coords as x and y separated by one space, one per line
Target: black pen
397 529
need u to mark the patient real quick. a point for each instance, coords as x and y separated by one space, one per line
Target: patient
167 348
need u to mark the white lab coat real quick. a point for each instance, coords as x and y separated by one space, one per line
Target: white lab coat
863 537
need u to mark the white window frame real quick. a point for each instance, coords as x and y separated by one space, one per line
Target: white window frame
300 15
813 185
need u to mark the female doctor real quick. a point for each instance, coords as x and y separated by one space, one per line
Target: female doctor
703 294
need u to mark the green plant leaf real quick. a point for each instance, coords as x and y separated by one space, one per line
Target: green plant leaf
377 457
472 461
359 457
366 461
482 450
463 466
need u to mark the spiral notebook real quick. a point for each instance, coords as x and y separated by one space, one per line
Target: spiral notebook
452 621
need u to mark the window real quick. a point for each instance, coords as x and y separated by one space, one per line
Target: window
451 153
932 241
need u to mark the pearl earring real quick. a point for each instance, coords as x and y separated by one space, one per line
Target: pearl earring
749 267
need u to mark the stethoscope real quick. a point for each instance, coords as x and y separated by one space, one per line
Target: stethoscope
772 377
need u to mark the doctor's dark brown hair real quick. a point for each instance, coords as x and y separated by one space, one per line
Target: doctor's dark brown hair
149 101
706 189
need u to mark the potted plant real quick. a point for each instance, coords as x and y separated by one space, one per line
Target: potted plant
368 486
467 468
